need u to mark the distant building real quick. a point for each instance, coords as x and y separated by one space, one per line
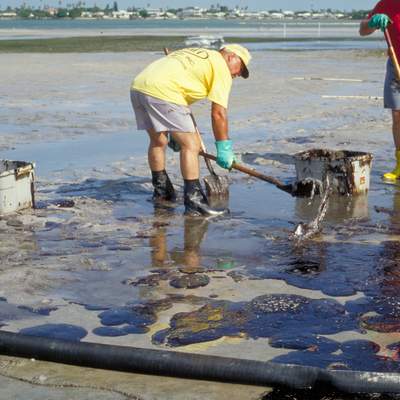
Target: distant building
8 14
154 12
169 15
318 15
288 14
304 15
252 15
86 14
219 15
277 15
235 13
121 14
98 14
191 12
51 11
264 14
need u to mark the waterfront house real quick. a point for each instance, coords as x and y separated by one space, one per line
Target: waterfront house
191 12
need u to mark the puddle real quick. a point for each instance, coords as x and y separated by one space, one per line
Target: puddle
67 155
114 253
56 331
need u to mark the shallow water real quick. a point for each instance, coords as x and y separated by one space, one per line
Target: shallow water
82 152
299 45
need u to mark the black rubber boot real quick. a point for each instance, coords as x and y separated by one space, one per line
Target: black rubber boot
163 189
196 203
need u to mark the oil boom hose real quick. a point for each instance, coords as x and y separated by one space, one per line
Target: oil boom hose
194 366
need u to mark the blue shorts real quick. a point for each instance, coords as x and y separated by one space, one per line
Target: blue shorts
391 92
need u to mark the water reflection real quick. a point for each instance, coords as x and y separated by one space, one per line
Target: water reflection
194 232
188 255
340 208
159 248
179 267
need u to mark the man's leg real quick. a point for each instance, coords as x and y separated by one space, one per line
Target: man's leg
395 174
189 154
163 189
156 151
196 202
396 128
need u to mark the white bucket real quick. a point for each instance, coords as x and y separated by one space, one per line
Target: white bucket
16 186
348 171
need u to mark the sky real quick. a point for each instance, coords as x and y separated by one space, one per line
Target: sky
251 4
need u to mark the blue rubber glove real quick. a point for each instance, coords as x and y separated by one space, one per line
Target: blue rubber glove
225 156
380 21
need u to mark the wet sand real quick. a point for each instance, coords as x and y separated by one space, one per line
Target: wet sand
113 253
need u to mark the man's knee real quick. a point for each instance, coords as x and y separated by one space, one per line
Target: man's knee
188 142
192 147
158 139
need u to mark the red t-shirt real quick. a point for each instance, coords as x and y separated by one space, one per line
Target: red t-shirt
392 9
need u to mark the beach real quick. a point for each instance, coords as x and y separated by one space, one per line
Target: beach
95 245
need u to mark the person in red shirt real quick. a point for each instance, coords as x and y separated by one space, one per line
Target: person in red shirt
386 15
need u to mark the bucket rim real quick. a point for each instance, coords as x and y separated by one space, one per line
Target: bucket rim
326 155
14 166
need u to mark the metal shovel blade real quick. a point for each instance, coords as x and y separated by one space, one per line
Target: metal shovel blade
216 185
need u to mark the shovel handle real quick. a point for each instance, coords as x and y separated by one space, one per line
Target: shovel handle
253 173
392 54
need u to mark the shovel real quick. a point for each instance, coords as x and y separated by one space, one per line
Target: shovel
215 185
252 172
392 54
305 188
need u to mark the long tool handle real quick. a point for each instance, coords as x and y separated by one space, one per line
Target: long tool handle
392 54
252 172
203 148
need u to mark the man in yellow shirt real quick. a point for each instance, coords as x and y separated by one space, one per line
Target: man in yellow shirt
161 95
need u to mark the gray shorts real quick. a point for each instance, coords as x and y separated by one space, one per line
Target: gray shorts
160 115
391 92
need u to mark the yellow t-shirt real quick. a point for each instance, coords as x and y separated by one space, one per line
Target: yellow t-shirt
187 75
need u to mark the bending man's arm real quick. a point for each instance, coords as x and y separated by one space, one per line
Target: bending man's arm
219 118
377 21
365 30
225 155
